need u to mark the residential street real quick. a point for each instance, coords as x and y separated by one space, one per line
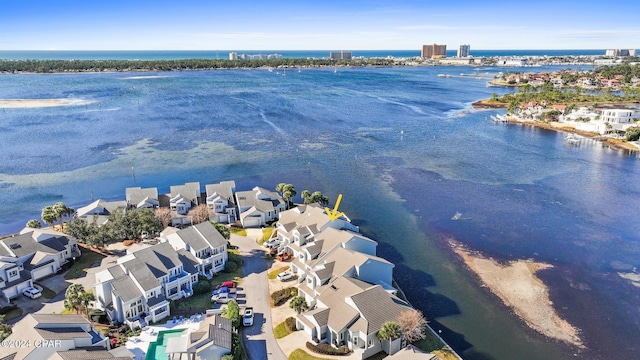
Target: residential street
258 339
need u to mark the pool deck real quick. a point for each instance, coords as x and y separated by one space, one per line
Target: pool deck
138 345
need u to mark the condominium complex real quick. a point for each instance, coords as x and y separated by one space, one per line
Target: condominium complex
464 51
340 55
620 52
434 51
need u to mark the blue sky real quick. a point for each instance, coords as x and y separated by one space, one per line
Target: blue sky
316 25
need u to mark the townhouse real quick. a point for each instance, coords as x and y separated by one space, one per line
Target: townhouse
259 206
221 203
138 288
56 336
205 244
32 255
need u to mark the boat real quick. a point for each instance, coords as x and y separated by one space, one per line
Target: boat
499 118
444 75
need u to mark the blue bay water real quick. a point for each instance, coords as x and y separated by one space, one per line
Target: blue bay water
404 148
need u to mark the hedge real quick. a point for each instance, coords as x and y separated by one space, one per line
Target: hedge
281 296
327 349
290 324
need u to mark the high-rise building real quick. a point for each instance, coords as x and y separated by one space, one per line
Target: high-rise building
434 51
340 55
464 51
233 56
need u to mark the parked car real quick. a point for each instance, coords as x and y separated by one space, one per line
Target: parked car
222 298
285 276
223 290
247 317
32 292
227 284
273 243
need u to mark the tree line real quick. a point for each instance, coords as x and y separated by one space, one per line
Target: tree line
55 66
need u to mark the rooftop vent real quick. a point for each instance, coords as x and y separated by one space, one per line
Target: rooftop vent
15 246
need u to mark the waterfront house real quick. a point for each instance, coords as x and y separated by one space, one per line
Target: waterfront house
350 312
184 197
207 246
341 262
211 341
57 336
221 203
140 198
136 290
259 206
99 211
301 223
32 255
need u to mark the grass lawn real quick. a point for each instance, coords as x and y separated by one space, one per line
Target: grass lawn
300 354
78 269
266 235
433 345
46 292
280 331
204 300
238 231
274 274
12 314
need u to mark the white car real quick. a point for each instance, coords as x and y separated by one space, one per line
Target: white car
272 243
247 317
285 276
32 292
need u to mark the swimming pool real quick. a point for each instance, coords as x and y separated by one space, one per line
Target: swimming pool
158 349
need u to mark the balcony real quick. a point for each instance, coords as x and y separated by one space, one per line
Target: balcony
180 276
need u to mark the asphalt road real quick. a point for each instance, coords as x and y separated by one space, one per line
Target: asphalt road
258 339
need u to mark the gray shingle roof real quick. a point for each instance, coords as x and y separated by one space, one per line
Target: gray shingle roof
248 199
57 319
220 332
224 189
152 263
378 306
63 333
25 244
190 191
188 261
202 236
125 288
135 195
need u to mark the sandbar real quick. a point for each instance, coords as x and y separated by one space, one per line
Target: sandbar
517 285
38 103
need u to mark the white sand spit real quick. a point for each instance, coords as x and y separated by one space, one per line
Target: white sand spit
520 289
38 103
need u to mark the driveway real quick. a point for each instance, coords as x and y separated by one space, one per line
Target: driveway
59 285
258 339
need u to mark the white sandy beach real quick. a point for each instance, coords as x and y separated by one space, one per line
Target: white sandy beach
38 103
517 285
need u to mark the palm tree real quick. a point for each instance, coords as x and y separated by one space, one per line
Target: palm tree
305 195
73 297
288 191
48 215
389 331
85 298
34 224
60 210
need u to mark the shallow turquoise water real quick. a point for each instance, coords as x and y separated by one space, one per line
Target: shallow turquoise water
158 349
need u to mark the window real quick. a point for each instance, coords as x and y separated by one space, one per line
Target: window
370 342
355 340
13 273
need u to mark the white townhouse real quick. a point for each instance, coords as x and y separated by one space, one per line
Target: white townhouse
140 198
350 312
259 206
221 203
301 223
207 246
58 336
137 289
99 211
341 262
32 255
305 251
183 197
